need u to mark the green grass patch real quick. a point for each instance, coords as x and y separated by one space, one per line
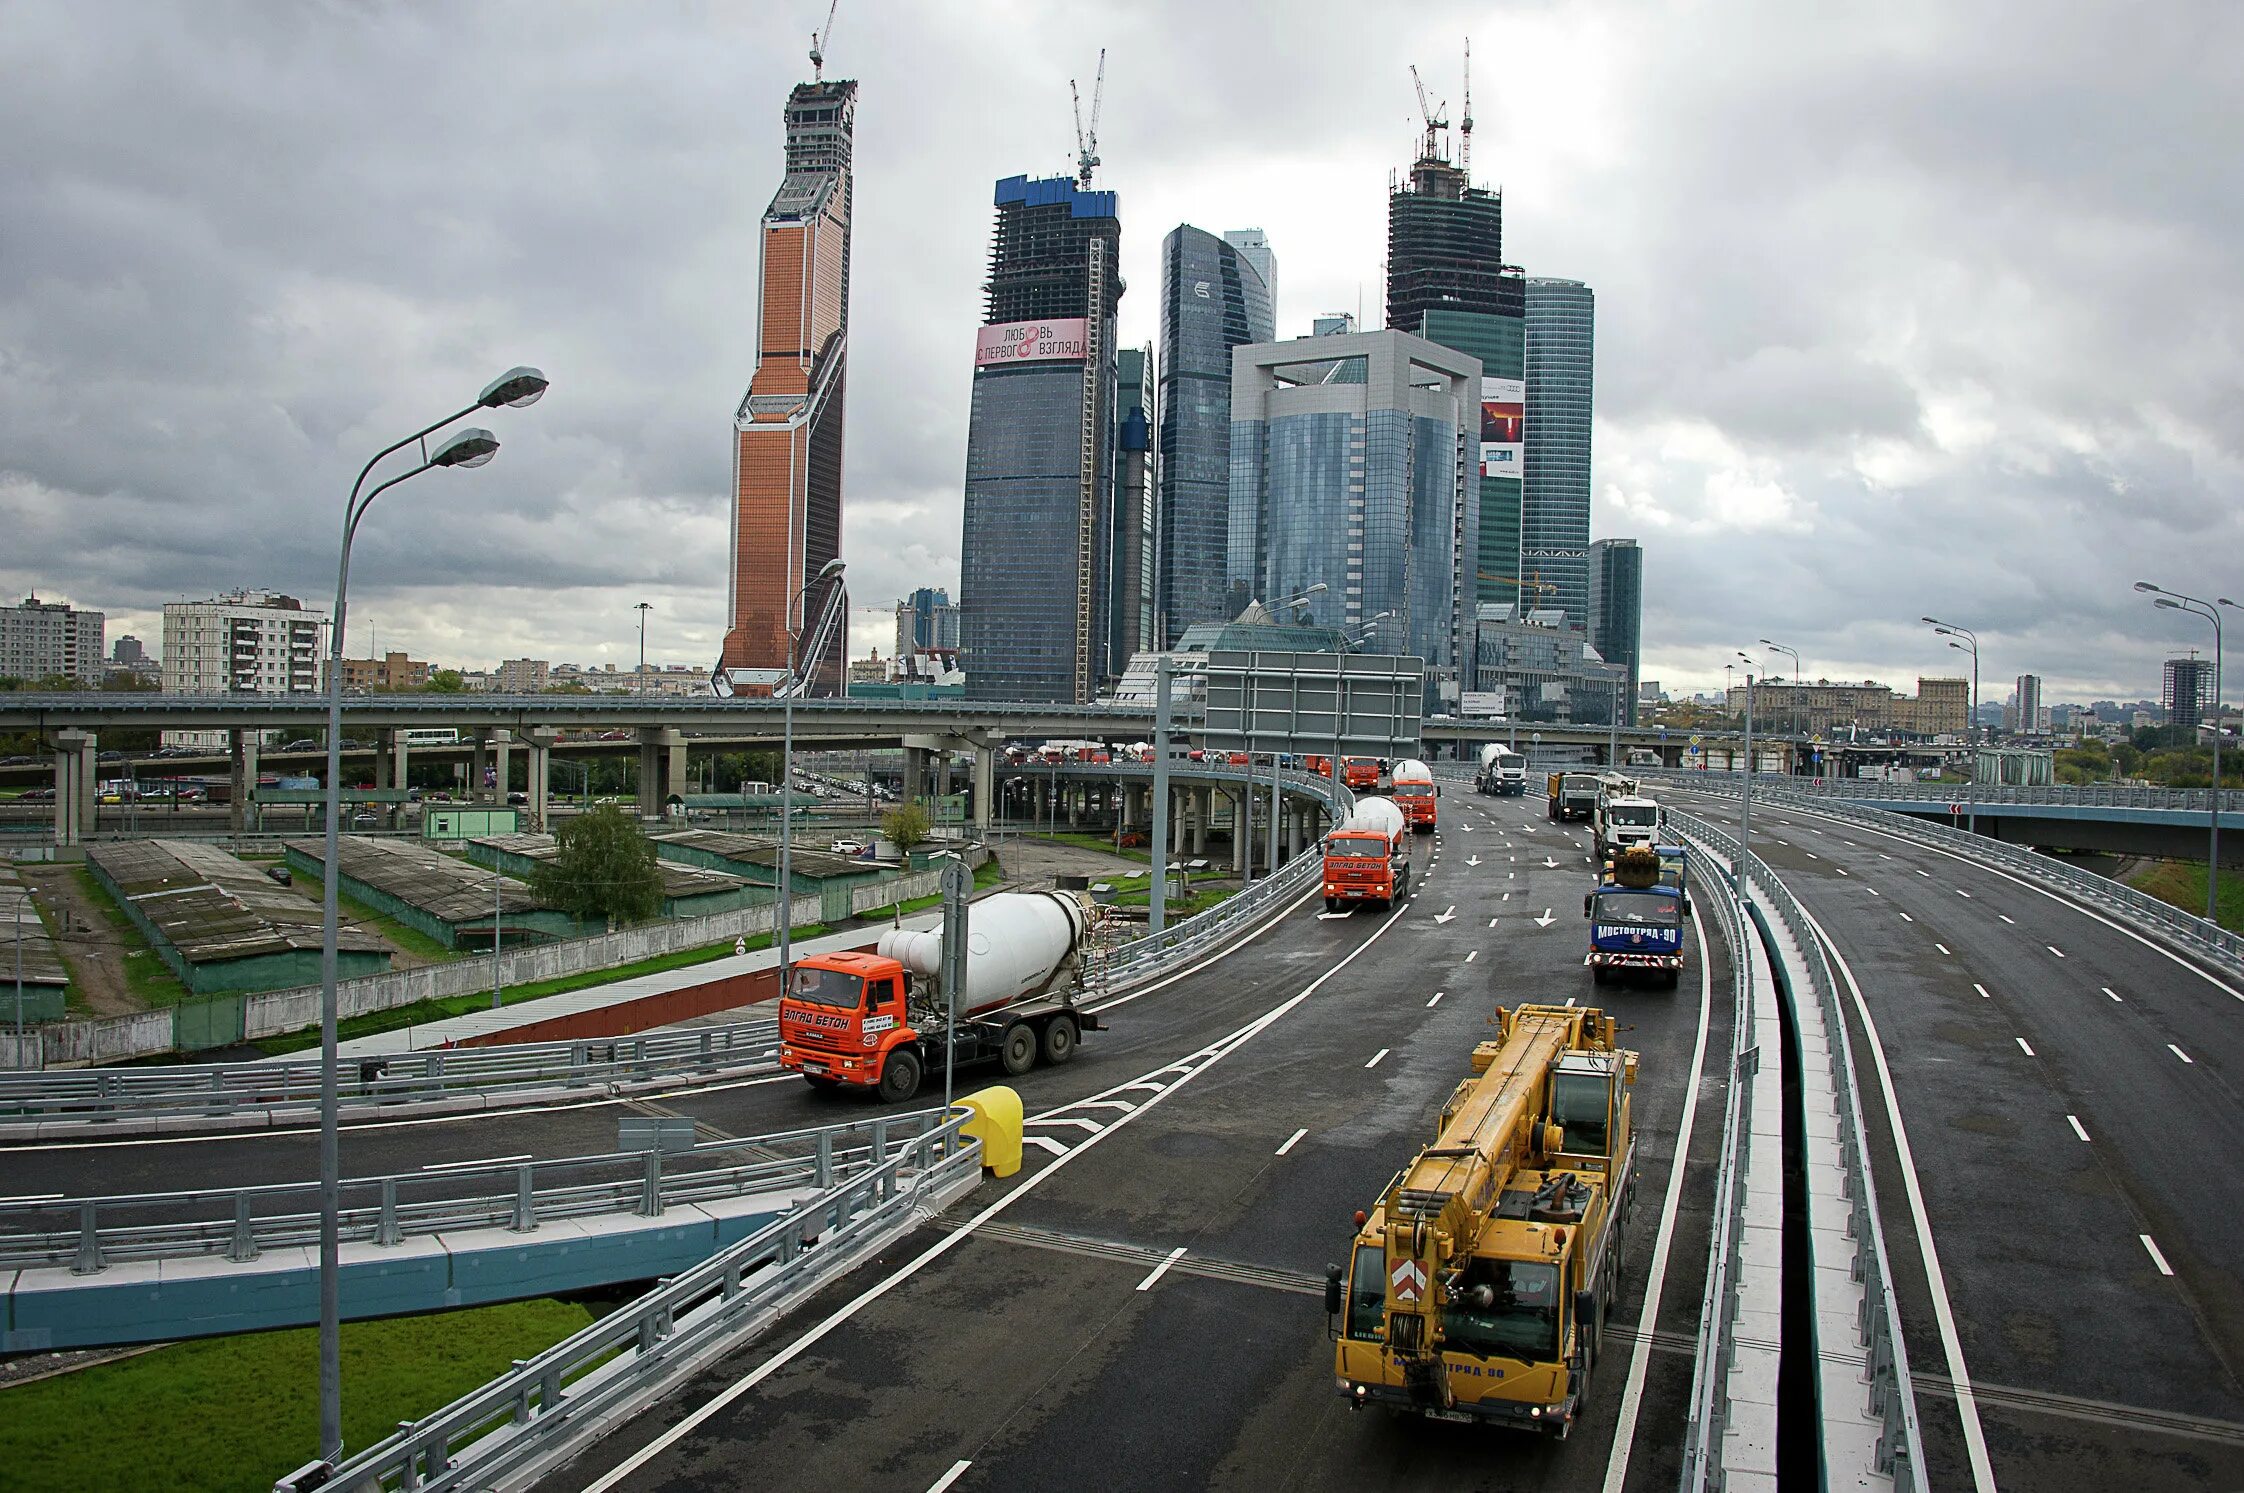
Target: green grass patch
410 940
1102 843
231 1414
1201 900
398 1017
986 875
148 979
2183 884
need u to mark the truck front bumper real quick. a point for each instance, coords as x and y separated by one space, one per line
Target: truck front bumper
1550 1419
1609 959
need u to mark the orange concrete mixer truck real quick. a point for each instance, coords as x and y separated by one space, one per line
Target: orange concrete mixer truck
878 1021
1366 859
1414 794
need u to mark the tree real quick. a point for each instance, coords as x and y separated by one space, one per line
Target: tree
603 870
445 682
905 825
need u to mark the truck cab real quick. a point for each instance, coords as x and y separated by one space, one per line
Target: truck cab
1635 928
841 1016
1625 819
1415 794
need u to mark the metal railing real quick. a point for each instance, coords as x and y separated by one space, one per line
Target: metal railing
533 1411
90 1234
2145 912
289 1088
1988 795
1708 1411
1892 1398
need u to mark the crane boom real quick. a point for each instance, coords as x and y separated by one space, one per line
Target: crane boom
1465 126
1087 143
818 41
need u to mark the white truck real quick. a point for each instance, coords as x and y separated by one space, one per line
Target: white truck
1623 819
1503 772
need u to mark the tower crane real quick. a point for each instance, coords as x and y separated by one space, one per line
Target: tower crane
1525 583
1465 125
1436 119
1087 145
818 41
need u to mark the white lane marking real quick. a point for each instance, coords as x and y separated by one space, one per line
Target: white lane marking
453 1166
1842 870
1943 948
2185 1057
1873 891
1379 1057
1927 875
1883 856
2112 993
1907 919
1963 894
1436 1000
1121 1104
1944 1315
1161 1269
2006 917
1216 1052
1091 1125
1471 955
1811 855
1632 1395
2060 953
2024 1046
2074 1121
2156 1258
1291 1141
1143 1083
1983 995
35 1197
1046 1142
958 1470
1491 922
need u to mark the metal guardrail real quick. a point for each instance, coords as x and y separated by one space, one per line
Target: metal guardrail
217 1089
1892 1396
2183 928
1707 1414
2093 795
90 1234
530 1413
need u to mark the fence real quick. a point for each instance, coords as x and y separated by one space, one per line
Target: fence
1892 1397
518 1423
90 1234
238 1094
2092 795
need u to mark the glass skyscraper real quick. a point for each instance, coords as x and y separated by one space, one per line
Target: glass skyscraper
1215 296
1358 471
1616 610
1130 607
1036 557
1555 511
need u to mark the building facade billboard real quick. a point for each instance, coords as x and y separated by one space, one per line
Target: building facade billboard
1054 340
1503 427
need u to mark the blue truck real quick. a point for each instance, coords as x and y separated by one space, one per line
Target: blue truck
1636 924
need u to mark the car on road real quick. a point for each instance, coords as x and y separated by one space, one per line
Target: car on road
306 745
847 846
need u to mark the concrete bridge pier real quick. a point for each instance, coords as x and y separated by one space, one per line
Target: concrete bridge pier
1200 805
241 747
662 764
479 761
540 742
77 789
1242 831
502 748
400 758
985 786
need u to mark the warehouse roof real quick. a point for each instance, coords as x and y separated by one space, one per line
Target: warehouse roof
677 880
42 965
763 850
447 888
210 906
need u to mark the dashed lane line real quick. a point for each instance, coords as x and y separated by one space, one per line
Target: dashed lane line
2078 1128
958 1470
1162 1268
2185 1057
1291 1141
2024 1046
1379 1057
2157 1258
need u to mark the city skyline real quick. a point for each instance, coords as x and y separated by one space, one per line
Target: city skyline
1782 439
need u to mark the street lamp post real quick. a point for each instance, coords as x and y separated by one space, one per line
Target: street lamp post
1795 657
469 448
1745 815
830 571
639 680
2197 606
1970 645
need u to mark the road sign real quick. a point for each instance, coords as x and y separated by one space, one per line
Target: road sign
1955 808
1409 1281
1696 739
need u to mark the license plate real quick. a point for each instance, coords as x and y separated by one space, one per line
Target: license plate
819 1068
1456 1415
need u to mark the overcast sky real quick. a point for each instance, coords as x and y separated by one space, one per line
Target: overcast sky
1901 309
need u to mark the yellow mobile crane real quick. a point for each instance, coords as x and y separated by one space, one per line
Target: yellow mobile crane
1478 1288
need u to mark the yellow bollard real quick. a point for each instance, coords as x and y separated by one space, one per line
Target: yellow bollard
997 1125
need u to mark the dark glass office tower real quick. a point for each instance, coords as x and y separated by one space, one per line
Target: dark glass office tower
1561 383
1130 591
1616 610
1036 553
1447 282
1215 296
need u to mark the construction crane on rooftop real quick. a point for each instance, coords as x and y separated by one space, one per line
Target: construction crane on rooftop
1437 120
1465 126
1534 583
818 40
1087 145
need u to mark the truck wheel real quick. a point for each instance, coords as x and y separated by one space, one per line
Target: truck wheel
1674 978
1059 1040
899 1077
1016 1053
1332 904
1598 973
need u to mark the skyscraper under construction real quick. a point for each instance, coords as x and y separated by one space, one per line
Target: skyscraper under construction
1036 562
787 454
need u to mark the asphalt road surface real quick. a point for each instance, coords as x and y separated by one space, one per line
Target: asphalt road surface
1140 1307
2069 1094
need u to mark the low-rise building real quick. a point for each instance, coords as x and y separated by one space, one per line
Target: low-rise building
391 674
521 676
1543 670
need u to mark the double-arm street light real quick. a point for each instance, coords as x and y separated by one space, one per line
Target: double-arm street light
1967 641
830 571
2197 606
467 448
1745 813
639 681
1794 655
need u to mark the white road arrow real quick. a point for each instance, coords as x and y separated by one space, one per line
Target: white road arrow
1326 917
1545 920
1549 862
1443 917
1468 829
1472 860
